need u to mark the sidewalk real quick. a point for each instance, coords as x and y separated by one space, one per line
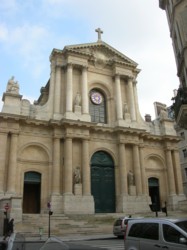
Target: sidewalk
73 237
10 240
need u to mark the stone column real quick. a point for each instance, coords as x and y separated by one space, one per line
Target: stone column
12 176
137 171
68 177
52 88
131 99
122 170
85 106
119 110
178 175
57 90
143 175
56 167
3 146
86 168
170 173
69 88
136 104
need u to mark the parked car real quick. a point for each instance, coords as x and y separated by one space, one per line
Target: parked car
119 226
146 234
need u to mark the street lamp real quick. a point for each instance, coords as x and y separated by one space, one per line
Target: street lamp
49 223
5 228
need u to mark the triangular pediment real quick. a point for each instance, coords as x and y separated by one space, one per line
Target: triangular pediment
100 51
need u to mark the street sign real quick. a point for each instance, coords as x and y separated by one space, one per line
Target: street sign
6 207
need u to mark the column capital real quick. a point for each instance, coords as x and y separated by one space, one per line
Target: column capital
117 75
57 137
166 149
68 137
84 67
53 65
130 78
69 65
14 133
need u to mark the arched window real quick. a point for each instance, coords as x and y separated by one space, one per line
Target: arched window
97 106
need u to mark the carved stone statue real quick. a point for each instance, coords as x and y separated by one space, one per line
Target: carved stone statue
12 86
130 178
77 175
77 99
125 108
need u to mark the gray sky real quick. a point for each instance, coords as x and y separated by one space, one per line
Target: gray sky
30 29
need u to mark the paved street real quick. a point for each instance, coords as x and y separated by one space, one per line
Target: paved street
110 244
95 244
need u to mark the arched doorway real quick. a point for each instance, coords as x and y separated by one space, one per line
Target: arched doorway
31 193
103 182
154 192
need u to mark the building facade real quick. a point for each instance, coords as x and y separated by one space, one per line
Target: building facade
183 155
83 144
176 11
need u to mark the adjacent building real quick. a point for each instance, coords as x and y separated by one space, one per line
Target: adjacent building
83 146
176 11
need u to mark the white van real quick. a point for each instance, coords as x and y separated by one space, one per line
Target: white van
155 233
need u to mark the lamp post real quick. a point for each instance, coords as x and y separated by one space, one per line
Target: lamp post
49 222
5 229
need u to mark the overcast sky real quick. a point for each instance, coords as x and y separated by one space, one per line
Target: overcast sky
30 29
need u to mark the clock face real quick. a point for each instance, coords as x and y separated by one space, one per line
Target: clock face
96 98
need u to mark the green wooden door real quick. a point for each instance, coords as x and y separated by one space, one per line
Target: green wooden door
103 182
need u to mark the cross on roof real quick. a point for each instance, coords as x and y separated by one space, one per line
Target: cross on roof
99 31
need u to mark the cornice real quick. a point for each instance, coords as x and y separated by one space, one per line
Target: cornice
141 134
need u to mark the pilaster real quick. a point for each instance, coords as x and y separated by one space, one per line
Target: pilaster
68 166
11 183
86 168
3 160
137 171
119 111
170 172
69 88
131 99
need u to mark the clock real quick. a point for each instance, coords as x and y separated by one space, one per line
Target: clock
96 98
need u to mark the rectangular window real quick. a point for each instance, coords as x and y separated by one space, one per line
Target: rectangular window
171 234
145 230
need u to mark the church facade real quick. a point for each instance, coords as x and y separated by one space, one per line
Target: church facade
83 145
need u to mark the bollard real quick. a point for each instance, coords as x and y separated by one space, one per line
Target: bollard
40 232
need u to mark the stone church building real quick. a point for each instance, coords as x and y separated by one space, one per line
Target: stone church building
83 145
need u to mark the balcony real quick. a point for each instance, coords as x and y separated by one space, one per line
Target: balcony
180 107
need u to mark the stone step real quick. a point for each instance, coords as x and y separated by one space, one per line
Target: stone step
76 224
63 224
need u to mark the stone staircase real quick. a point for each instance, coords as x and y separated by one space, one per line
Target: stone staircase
34 224
62 225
